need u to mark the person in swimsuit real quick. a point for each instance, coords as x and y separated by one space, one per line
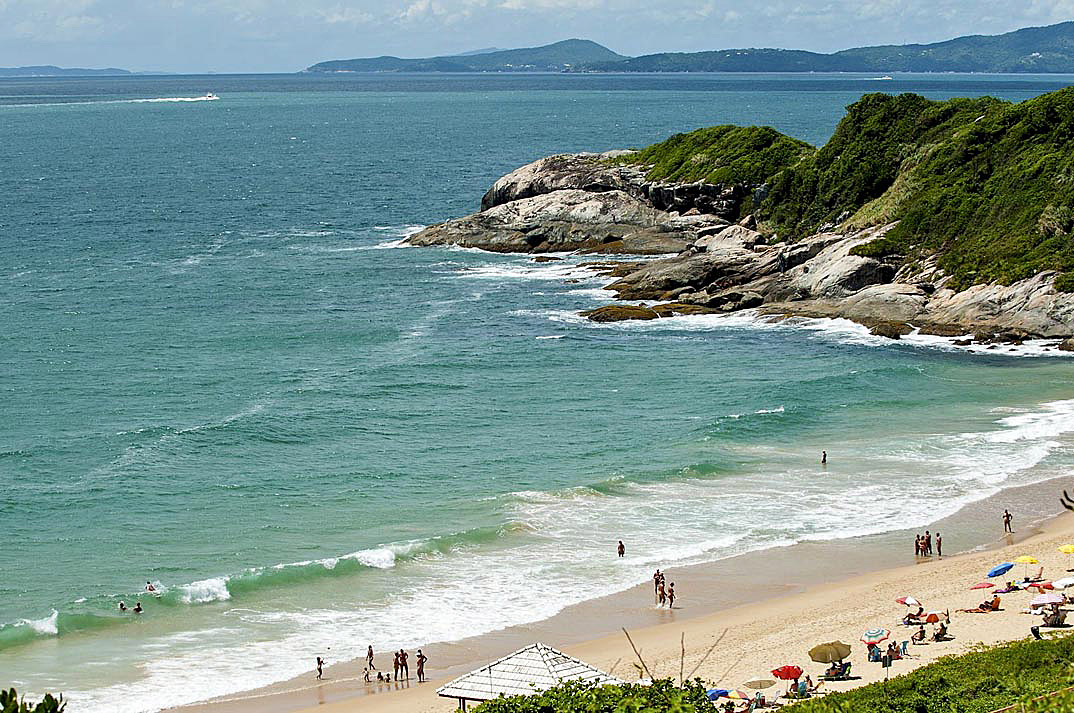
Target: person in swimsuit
671 595
365 675
421 659
939 545
395 665
122 606
662 595
137 607
369 658
824 457
320 667
1007 518
622 549
403 667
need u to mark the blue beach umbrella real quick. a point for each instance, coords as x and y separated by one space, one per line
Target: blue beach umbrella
1000 569
714 693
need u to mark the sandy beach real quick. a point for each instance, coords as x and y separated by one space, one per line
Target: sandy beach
765 609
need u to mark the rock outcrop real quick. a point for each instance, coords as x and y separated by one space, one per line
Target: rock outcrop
587 202
723 263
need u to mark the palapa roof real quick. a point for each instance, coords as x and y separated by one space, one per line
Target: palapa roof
534 668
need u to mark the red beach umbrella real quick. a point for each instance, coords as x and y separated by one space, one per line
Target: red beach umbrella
787 673
982 585
908 601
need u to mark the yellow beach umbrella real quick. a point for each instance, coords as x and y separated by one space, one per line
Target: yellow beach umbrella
1067 549
1026 560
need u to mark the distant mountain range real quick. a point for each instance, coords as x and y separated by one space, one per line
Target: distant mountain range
48 70
556 57
1033 49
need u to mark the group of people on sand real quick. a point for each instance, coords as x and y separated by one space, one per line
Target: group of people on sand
664 594
923 545
400 667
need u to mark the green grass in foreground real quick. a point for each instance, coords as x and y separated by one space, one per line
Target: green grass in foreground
981 681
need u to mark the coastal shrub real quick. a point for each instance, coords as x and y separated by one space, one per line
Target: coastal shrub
721 154
981 681
576 697
10 703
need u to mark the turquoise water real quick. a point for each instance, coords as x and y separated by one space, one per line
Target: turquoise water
221 373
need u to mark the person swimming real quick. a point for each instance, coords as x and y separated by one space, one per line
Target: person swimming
150 588
137 608
123 606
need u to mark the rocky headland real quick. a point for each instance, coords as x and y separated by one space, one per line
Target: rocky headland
734 244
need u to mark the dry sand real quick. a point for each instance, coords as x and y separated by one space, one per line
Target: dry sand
778 628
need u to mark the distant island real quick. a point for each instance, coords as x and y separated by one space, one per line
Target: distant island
1043 50
557 57
48 70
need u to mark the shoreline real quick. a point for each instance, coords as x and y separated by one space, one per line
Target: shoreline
735 589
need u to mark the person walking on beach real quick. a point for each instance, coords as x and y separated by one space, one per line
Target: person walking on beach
369 658
671 595
622 549
939 545
1007 517
403 667
421 659
320 667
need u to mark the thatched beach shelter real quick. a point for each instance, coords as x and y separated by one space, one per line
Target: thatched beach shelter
534 668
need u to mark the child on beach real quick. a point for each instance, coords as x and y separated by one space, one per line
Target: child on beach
365 675
395 666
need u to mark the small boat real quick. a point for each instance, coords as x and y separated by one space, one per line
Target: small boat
209 96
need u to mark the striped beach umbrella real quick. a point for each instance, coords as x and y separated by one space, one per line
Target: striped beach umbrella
875 636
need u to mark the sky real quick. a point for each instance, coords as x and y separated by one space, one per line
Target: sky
289 35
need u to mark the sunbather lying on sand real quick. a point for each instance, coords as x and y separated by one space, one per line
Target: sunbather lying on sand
984 607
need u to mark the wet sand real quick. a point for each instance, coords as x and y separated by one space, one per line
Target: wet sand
769 606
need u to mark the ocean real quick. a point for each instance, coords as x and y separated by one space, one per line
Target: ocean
223 373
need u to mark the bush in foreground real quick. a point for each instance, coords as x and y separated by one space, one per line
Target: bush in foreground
10 703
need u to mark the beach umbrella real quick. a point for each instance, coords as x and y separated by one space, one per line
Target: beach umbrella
1067 549
1000 569
982 585
736 695
714 693
908 601
829 652
1063 583
933 617
1045 599
1041 585
875 636
760 683
1026 560
787 673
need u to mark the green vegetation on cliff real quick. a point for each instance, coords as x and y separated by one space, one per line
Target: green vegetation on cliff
722 154
985 186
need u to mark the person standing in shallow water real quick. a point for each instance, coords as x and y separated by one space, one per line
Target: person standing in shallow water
671 595
369 658
1007 518
662 595
824 457
320 667
939 545
622 549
